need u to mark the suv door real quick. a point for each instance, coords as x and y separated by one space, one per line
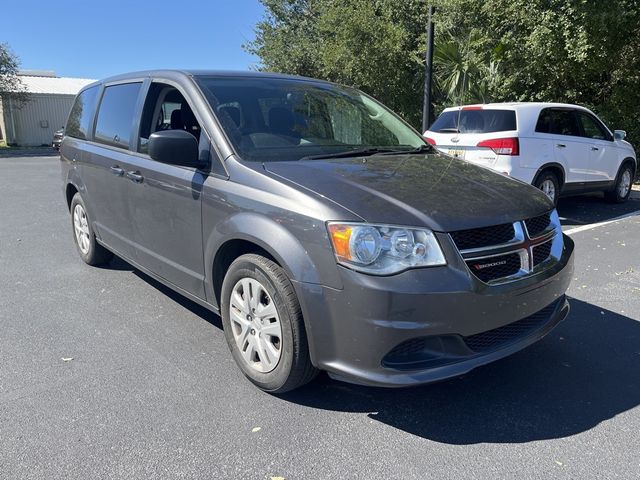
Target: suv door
570 149
106 162
603 159
165 204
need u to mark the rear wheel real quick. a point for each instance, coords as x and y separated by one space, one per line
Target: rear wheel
90 251
622 189
263 325
548 182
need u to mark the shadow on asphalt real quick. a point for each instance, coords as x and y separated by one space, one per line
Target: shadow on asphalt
193 307
585 372
585 209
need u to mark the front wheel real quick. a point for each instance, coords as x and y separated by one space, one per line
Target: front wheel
263 325
622 188
550 186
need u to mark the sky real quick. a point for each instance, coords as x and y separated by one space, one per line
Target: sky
96 39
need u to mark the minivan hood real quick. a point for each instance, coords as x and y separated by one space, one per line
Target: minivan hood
435 191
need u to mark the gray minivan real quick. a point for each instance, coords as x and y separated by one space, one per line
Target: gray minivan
321 227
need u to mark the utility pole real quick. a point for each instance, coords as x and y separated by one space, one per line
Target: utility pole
428 73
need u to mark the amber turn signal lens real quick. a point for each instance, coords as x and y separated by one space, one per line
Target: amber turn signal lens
340 237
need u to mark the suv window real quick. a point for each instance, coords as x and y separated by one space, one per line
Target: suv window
558 122
592 128
116 114
475 121
80 116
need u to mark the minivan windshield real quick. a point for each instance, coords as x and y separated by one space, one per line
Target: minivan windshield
274 119
475 121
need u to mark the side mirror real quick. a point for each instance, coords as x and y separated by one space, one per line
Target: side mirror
175 147
619 134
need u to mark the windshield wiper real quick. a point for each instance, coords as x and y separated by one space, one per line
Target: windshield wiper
449 130
420 149
363 152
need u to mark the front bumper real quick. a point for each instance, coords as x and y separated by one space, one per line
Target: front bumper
428 324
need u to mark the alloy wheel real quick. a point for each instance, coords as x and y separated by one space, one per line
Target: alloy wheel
549 189
625 184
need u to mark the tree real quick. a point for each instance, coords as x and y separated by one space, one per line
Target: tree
486 50
369 44
10 84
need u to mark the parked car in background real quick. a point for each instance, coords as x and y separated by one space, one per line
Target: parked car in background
323 229
561 149
57 138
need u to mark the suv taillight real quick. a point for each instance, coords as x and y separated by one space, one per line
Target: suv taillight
502 146
430 140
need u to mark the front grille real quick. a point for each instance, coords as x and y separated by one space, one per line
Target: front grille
492 268
503 336
483 237
541 253
537 225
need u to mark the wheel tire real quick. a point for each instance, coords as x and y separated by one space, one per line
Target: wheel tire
90 251
546 181
622 189
294 367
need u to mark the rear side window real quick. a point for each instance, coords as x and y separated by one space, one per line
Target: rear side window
558 122
78 124
116 114
475 121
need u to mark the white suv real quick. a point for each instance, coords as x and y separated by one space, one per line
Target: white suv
561 149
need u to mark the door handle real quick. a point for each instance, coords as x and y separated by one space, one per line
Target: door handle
560 145
135 176
117 171
595 148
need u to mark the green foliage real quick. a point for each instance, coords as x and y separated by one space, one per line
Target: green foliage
578 51
10 84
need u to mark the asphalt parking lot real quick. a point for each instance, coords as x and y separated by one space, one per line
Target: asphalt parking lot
104 373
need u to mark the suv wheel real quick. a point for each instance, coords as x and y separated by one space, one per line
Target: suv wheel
90 251
549 184
622 189
263 325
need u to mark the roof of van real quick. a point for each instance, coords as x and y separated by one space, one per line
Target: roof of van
515 106
204 73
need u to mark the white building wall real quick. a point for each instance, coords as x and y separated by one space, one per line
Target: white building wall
37 120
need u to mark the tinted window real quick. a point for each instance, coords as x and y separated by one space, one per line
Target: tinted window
475 121
558 122
115 116
283 119
78 124
592 128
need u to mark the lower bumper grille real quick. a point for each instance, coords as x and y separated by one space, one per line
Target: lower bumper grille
503 336
421 352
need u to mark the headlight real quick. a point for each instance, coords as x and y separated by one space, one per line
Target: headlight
384 249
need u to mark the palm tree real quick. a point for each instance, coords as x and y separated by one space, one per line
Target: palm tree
462 74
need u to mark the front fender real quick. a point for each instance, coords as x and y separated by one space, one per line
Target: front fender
280 243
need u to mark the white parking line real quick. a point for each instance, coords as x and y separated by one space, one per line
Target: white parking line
600 224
